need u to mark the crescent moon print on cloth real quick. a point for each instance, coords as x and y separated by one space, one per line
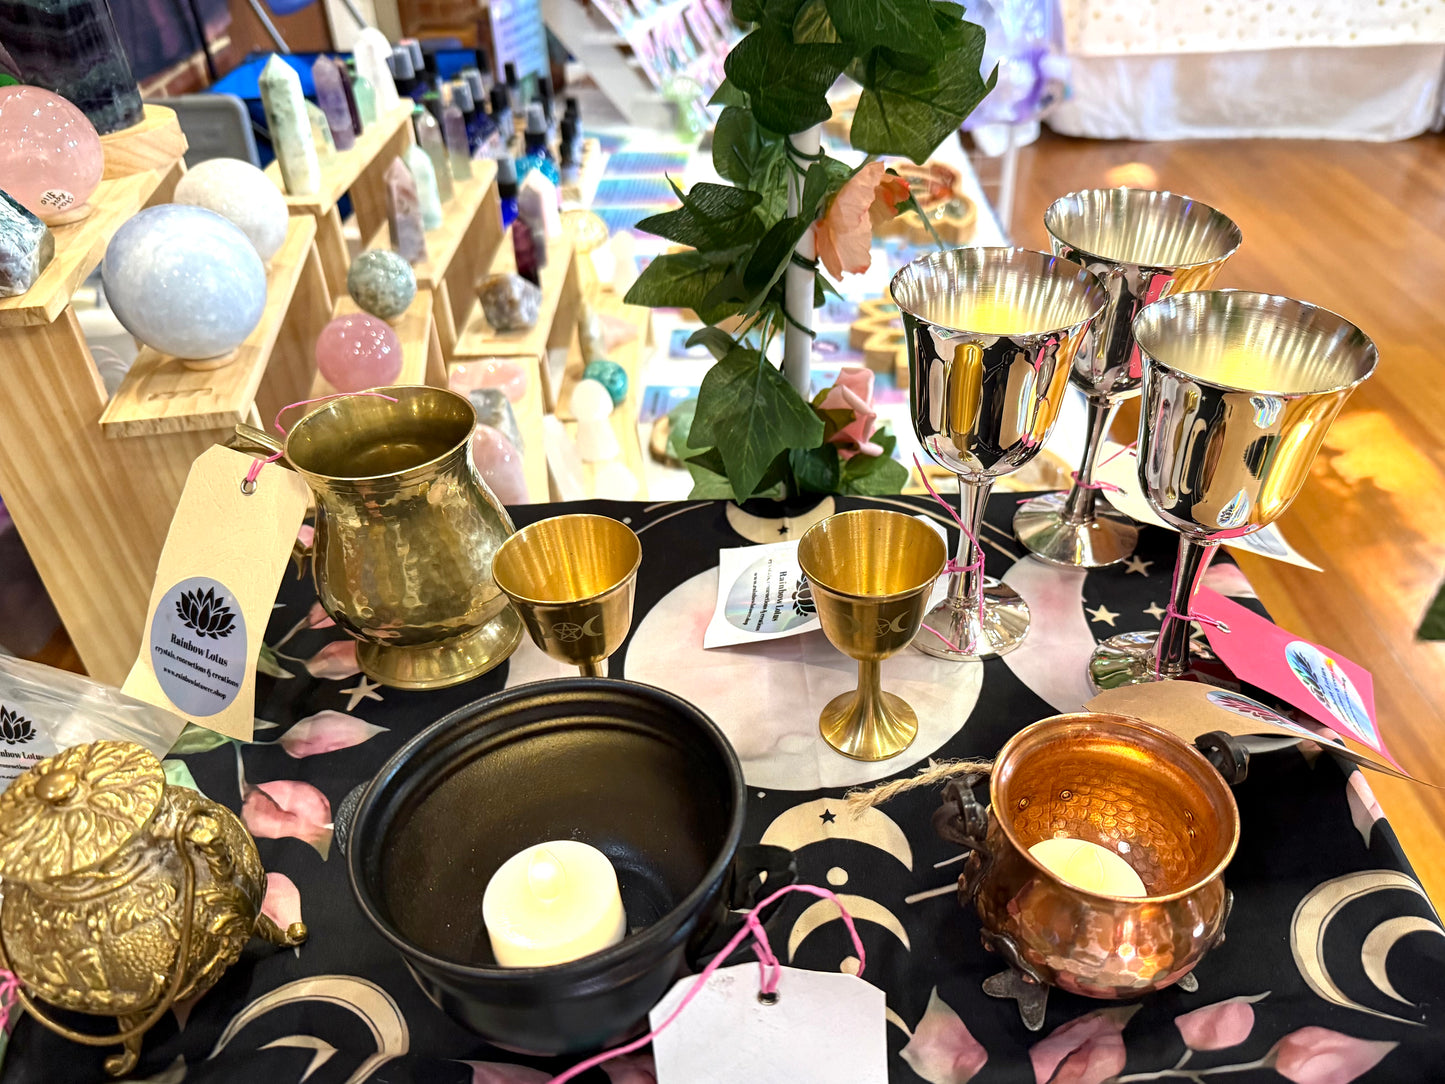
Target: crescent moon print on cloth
810 822
1310 927
770 713
373 1005
1053 660
861 908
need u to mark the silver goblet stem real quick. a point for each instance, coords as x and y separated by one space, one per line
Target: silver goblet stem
1176 630
1079 505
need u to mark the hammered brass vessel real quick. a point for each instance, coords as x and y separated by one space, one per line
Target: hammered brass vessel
123 894
1130 787
572 579
870 573
405 533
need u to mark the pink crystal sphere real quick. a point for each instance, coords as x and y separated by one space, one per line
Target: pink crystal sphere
500 465
358 352
50 155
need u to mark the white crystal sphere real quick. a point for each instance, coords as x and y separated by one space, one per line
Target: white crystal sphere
240 192
184 280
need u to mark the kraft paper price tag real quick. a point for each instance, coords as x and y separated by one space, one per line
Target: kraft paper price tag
214 590
823 1028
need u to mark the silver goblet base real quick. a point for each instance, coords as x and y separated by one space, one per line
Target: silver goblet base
1128 659
1005 623
1106 539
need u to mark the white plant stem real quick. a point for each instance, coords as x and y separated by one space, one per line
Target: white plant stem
798 281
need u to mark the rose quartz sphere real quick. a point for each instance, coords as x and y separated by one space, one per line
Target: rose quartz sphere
358 352
50 155
500 465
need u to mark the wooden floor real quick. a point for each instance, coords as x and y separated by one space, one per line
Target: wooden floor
1360 229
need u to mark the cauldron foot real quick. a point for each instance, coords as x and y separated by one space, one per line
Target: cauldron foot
121 1064
1033 997
1189 984
290 937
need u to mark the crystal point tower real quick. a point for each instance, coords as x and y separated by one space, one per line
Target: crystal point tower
331 97
403 213
372 51
290 126
429 136
423 172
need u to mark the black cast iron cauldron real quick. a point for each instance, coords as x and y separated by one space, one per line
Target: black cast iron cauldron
637 772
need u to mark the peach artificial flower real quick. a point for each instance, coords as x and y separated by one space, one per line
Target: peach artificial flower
845 234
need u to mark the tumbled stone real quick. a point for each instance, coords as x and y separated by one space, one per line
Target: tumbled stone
611 376
382 283
510 302
403 213
26 246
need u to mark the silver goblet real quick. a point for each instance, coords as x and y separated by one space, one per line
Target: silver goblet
1144 246
992 334
1239 392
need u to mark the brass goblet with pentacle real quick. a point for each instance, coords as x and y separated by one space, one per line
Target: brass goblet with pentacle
1239 392
870 573
572 580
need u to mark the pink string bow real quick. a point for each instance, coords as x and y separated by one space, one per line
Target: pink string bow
249 485
953 567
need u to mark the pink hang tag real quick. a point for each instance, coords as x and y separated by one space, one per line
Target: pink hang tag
1320 682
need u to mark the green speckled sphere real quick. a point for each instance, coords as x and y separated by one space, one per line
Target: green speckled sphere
611 376
382 283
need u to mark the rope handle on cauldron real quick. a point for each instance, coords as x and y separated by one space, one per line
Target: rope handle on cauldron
859 801
178 963
768 966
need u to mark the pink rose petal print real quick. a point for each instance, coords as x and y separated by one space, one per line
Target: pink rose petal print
496 1072
288 809
318 618
326 732
1223 1024
1321 1056
283 900
631 1069
1088 1050
335 661
942 1050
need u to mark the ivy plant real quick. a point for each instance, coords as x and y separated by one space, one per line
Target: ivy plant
917 64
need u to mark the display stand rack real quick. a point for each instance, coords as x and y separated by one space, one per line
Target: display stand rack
359 172
459 251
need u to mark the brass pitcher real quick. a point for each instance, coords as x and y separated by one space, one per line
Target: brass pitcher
405 533
123 895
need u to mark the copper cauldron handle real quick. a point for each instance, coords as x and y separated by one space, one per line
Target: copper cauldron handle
183 949
963 819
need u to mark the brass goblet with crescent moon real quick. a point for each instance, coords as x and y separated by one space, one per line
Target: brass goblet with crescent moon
1239 392
572 580
1144 246
870 573
992 334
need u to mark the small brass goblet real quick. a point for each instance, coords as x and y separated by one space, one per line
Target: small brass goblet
572 578
870 572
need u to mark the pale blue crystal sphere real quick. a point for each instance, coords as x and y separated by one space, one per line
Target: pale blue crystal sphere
184 280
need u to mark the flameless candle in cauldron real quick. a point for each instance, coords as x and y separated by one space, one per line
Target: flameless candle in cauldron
1141 798
553 903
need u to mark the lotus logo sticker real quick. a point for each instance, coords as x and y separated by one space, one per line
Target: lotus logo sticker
206 613
198 646
15 729
770 596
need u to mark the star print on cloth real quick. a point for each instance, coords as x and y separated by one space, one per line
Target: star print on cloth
366 690
1155 611
1104 614
827 816
1133 564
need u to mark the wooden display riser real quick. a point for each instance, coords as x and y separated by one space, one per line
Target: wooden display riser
360 173
459 251
421 353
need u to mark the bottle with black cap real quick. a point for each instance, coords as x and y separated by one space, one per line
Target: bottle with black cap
537 154
549 104
571 159
507 188
484 68
403 74
502 114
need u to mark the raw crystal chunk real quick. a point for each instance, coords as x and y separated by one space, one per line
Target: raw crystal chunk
26 246
510 302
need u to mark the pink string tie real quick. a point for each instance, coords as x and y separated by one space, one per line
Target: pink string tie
952 567
9 1000
248 486
1170 611
770 971
1107 487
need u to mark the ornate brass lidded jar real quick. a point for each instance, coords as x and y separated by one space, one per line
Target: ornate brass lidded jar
123 894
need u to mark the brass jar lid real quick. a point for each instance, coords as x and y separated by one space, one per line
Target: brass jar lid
74 810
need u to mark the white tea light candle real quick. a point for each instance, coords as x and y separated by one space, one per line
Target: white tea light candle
1088 866
552 903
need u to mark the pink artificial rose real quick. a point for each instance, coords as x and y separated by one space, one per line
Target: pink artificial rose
1321 1056
845 233
1214 1027
853 392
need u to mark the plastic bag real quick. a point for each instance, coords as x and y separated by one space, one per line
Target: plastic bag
44 710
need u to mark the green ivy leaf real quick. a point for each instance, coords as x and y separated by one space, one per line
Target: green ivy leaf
905 25
817 470
727 94
712 216
707 486
911 113
717 341
748 11
748 410
874 475
678 279
814 26
770 259
754 158
786 83
708 459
